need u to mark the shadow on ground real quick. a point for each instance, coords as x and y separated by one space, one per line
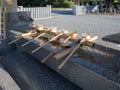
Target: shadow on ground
62 12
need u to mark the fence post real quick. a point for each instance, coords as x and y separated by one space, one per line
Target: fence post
114 11
20 8
49 6
98 11
79 10
76 10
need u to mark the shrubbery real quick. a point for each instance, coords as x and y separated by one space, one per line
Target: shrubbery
66 4
60 3
54 3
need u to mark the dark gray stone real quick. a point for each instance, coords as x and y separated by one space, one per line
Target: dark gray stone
114 38
117 62
18 20
83 73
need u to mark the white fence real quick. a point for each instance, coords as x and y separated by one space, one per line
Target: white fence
78 10
37 12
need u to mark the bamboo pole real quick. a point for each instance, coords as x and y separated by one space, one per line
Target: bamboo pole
63 53
54 38
76 40
71 35
38 28
73 51
32 40
85 37
15 40
23 35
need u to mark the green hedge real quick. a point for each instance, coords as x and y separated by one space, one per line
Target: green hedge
67 4
61 1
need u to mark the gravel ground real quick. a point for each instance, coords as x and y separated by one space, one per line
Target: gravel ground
100 25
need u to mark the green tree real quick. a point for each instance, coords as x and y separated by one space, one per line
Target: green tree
53 2
57 3
30 2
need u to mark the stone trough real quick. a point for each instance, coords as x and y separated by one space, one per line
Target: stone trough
91 68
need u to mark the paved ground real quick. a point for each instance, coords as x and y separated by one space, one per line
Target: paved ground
100 25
